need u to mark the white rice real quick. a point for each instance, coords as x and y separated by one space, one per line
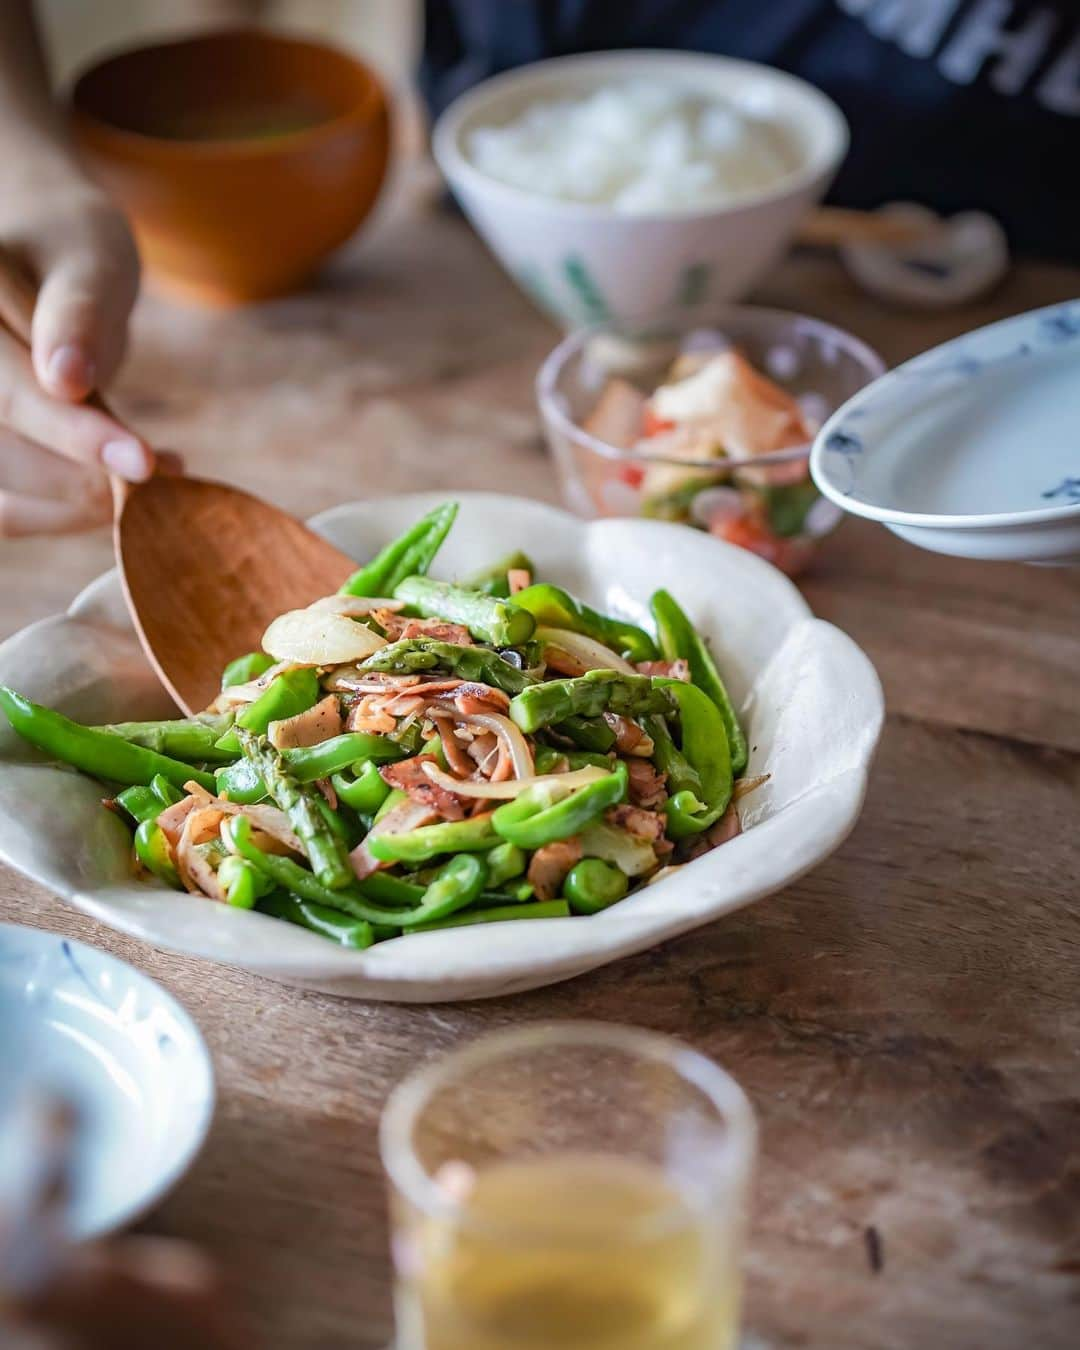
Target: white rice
636 146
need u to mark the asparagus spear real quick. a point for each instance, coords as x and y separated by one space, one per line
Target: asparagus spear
498 622
469 663
588 695
305 807
192 739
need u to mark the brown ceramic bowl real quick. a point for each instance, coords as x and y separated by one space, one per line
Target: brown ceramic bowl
241 158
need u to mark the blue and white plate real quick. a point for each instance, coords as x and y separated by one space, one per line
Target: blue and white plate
971 449
77 1023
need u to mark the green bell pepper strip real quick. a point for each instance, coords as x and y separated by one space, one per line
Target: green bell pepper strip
592 885
457 884
356 934
340 752
498 622
475 835
542 909
364 792
588 695
324 839
194 739
588 733
680 639
242 882
476 664
292 692
553 607
164 791
410 554
152 850
394 798
382 888
705 748
98 753
245 669
547 757
504 862
243 783
538 816
494 580
141 803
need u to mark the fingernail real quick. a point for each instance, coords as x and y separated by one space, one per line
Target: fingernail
127 459
70 368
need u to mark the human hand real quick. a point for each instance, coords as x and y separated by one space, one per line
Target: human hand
75 247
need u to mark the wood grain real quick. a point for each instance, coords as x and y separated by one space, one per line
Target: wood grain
905 1018
205 568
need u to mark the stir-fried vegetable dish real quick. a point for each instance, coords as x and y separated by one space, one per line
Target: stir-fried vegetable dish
413 754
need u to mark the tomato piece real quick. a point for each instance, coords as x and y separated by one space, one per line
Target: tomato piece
652 425
632 474
789 555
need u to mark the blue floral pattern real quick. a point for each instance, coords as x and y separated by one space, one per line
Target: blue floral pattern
1051 328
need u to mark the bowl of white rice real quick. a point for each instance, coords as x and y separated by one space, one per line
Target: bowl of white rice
617 184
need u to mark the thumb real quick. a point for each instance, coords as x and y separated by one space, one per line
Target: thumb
80 321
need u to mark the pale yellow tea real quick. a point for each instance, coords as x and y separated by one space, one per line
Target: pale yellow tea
568 1252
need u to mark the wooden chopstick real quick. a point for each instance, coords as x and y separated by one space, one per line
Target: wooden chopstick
835 226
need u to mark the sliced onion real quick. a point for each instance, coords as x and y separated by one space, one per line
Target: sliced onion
355 606
515 744
269 819
745 785
630 854
253 689
315 638
590 654
506 791
353 679
195 871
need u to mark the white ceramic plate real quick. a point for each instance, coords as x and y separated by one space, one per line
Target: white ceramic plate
972 448
811 699
77 1022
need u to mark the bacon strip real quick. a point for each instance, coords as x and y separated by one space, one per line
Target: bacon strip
629 737
647 785
456 757
636 820
398 627
549 865
474 698
408 776
679 669
406 816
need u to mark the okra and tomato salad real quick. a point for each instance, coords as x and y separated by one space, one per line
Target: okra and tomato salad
413 754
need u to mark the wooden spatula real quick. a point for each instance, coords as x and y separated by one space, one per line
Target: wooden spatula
204 567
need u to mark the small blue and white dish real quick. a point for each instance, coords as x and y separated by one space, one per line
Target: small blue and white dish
79 1025
972 448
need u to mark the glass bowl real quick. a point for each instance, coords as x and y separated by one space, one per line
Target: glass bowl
767 503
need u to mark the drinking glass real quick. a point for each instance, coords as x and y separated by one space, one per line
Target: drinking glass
573 1185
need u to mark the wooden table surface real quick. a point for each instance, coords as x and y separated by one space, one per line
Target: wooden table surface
906 1019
